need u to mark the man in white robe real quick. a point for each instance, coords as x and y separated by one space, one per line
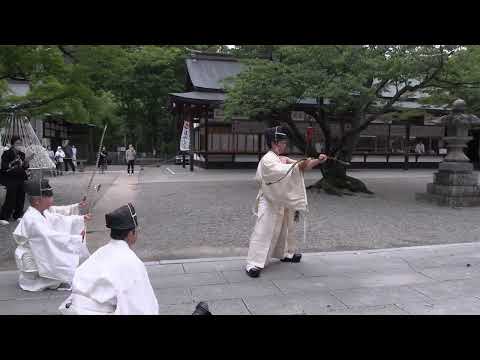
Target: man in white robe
50 241
282 193
113 281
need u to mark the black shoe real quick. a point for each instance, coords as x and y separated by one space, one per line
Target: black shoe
253 272
202 309
62 287
295 259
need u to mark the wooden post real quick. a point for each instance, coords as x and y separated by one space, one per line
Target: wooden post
259 147
182 121
389 149
234 146
206 137
407 148
192 138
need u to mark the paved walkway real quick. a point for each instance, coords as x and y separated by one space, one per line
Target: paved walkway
439 279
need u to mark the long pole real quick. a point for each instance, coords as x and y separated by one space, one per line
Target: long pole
96 167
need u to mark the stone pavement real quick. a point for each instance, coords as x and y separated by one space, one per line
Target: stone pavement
438 279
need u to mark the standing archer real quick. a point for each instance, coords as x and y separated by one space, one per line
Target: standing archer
282 193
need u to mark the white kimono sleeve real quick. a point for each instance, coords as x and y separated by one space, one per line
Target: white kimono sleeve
290 191
56 253
67 210
273 169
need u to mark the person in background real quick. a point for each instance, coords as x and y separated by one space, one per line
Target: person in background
420 148
74 155
51 154
102 160
68 157
130 156
14 166
59 156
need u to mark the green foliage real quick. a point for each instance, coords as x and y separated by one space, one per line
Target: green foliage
356 79
127 86
461 81
124 86
143 89
55 86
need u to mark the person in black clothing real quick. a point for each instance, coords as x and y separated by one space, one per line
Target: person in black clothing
13 170
68 157
102 161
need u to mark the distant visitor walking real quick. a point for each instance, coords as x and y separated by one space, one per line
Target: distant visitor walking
68 161
74 153
130 156
59 156
102 161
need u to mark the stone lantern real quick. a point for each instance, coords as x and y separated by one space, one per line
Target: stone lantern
455 184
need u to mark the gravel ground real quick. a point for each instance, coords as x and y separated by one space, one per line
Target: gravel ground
209 213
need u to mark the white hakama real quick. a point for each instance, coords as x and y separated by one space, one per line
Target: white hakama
113 281
49 247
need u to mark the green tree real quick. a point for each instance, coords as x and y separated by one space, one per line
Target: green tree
56 86
138 79
354 79
143 90
461 81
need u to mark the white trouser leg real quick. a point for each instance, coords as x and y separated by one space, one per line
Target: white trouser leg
291 239
287 243
265 234
278 248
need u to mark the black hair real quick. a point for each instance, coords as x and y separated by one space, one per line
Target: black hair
14 139
116 234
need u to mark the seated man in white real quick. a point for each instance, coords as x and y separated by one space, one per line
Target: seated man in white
113 281
50 241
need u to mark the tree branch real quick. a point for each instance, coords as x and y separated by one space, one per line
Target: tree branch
322 122
459 84
406 88
29 105
298 138
66 52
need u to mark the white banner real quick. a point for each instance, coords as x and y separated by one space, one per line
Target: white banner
185 139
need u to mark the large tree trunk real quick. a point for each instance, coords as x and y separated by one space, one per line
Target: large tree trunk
335 180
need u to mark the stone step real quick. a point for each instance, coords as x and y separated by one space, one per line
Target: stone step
451 178
446 200
450 166
453 190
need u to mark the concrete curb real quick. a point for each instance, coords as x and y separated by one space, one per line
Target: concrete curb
320 254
